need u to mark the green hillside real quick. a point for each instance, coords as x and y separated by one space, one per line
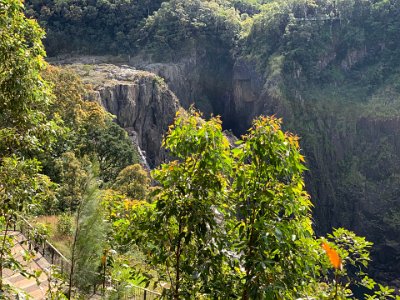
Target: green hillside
256 216
328 67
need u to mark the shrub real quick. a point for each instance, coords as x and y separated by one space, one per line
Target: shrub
64 225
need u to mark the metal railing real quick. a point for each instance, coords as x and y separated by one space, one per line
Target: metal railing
40 244
133 292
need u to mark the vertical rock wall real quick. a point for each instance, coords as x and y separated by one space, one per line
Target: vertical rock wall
141 102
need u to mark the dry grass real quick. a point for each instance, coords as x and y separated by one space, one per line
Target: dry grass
50 221
61 242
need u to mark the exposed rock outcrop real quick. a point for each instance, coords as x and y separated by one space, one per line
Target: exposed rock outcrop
141 102
352 151
199 80
180 77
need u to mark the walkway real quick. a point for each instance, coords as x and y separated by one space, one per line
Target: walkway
29 285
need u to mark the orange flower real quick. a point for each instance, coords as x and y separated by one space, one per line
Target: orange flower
333 256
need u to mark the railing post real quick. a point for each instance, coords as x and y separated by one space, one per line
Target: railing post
29 241
35 241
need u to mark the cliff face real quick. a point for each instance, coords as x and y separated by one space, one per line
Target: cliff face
180 77
141 102
202 79
354 181
352 151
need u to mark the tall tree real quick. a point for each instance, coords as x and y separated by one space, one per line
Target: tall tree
24 128
236 223
24 95
274 225
186 232
88 241
72 177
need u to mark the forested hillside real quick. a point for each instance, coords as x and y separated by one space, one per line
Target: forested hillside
91 26
216 218
329 68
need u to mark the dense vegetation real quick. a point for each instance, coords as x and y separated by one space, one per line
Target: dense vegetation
49 136
91 26
307 33
104 27
221 221
327 42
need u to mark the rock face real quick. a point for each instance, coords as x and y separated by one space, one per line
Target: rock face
246 94
353 157
354 180
180 78
201 79
352 149
141 102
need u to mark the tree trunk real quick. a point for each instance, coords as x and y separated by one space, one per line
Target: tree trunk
178 271
73 258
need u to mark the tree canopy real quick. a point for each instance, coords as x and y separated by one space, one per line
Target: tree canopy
24 95
222 221
235 222
77 25
25 129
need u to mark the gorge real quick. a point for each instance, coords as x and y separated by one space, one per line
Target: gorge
352 152
330 69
